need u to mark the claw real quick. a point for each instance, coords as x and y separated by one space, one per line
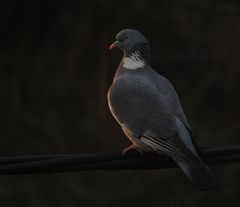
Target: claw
131 151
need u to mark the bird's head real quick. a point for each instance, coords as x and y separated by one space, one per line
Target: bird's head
132 41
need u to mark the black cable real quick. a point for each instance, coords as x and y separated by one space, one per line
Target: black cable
106 161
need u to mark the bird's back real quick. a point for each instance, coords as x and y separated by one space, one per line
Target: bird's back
168 91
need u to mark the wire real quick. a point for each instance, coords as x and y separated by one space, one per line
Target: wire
36 164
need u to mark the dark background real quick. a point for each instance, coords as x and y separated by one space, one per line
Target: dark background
55 69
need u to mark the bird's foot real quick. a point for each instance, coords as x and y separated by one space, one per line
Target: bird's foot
131 150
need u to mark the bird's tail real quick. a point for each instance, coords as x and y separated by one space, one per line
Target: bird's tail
200 175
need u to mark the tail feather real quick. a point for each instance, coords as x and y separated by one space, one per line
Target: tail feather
200 175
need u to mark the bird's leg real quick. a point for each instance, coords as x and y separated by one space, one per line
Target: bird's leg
131 150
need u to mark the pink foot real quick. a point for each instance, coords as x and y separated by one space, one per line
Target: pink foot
131 150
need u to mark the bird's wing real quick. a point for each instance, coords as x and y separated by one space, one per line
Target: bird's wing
172 146
187 136
165 87
184 130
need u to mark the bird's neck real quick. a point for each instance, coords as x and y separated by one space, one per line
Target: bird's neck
137 57
133 61
130 63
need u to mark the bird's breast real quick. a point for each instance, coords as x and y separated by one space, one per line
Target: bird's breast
128 98
136 103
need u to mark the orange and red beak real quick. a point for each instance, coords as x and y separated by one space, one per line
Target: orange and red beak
113 45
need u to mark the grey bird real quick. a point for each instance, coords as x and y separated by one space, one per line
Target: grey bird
147 107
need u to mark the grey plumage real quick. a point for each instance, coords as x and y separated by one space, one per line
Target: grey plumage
148 109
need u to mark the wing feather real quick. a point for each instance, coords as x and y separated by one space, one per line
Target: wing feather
172 147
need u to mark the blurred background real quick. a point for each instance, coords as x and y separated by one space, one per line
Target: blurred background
55 70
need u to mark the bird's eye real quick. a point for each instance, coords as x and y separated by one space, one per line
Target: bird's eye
121 39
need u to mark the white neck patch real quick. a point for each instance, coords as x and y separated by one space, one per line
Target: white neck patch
133 62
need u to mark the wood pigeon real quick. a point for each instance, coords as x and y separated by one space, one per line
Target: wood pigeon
147 107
